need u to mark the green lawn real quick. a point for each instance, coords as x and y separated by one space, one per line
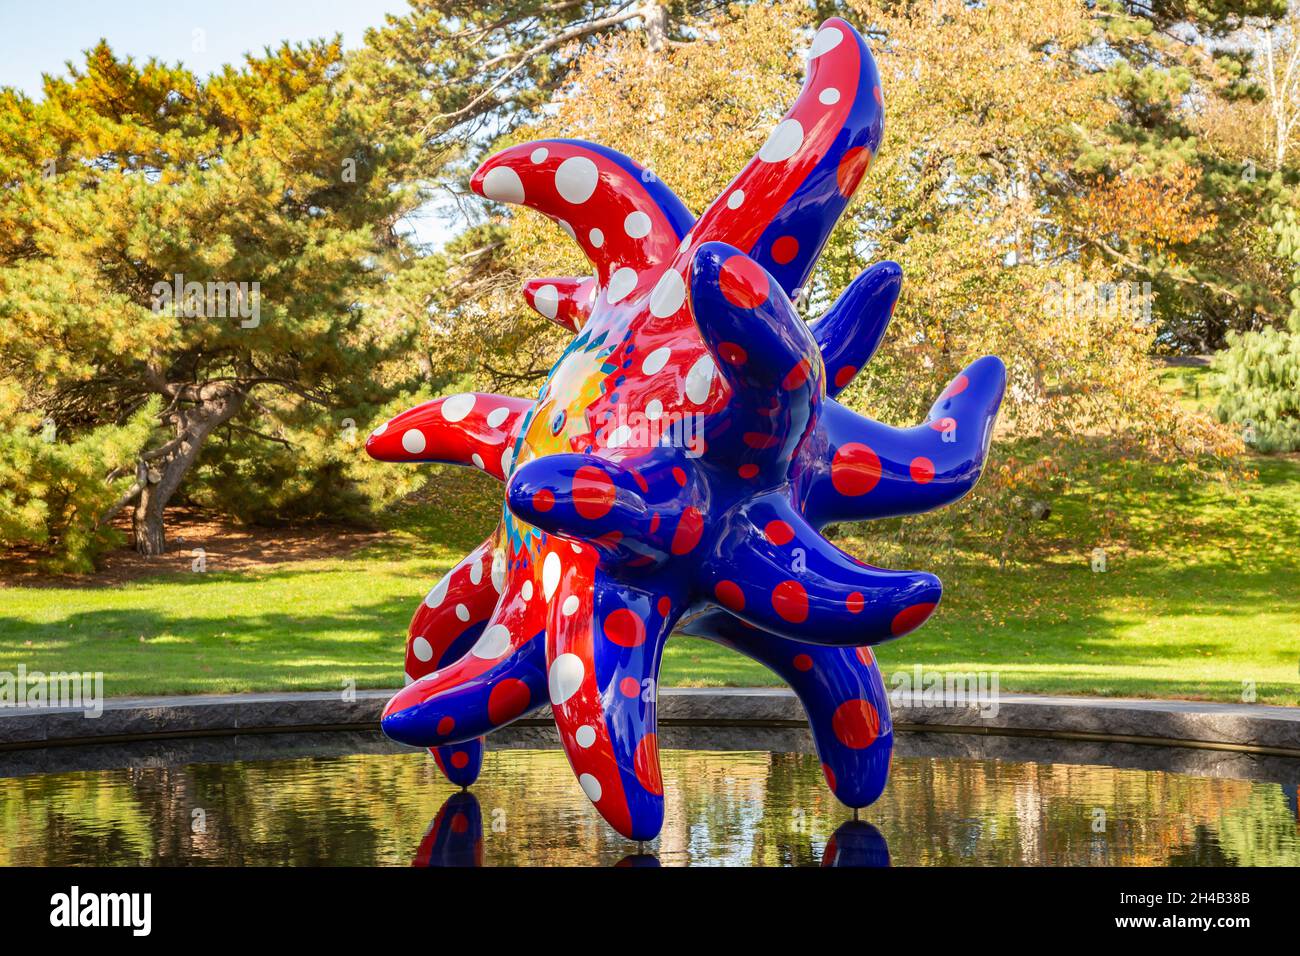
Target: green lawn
1201 597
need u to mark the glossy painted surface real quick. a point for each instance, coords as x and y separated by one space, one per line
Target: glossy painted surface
676 466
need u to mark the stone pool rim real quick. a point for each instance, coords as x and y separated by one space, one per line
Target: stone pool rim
1248 728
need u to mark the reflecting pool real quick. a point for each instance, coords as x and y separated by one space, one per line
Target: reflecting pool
355 799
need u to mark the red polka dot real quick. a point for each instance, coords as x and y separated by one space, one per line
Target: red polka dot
910 618
778 532
640 481
645 761
743 282
955 387
508 700
609 539
459 823
922 470
829 774
855 602
654 522
689 530
855 469
730 595
446 726
544 500
853 166
759 440
733 353
797 376
625 628
844 376
802 662
865 655
460 759
785 249
875 91
593 492
679 476
856 724
665 605
747 471
790 601
630 687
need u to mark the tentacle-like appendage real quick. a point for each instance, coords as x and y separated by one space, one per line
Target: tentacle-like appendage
622 216
783 205
864 469
842 693
765 353
850 331
773 570
636 512
444 627
455 837
856 843
472 428
604 643
566 302
498 679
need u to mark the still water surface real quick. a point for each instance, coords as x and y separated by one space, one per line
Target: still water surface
722 808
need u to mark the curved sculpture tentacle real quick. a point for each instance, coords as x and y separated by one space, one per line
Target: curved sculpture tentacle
683 453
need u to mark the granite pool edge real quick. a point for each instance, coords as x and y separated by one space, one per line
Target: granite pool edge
1241 727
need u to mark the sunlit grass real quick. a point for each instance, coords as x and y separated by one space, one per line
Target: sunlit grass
1200 600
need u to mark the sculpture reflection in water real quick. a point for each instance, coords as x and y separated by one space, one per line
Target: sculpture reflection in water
675 469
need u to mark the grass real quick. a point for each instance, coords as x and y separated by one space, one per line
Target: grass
1200 598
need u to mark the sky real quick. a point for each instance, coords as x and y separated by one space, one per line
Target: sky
40 37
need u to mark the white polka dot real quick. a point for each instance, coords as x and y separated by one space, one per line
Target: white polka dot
668 295
565 677
503 184
499 570
585 736
413 441
462 612
829 96
527 590
735 199
783 143
656 360
496 418
507 458
409 679
590 786
539 154
637 225
619 437
825 41
567 228
654 409
546 300
686 243
597 238
576 179
422 649
577 548
381 429
476 571
570 605
438 594
550 575
699 378
458 406
621 283
494 642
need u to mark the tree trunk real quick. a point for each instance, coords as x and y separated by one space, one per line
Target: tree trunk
192 426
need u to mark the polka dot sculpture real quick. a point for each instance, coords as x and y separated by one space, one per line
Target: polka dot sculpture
674 469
